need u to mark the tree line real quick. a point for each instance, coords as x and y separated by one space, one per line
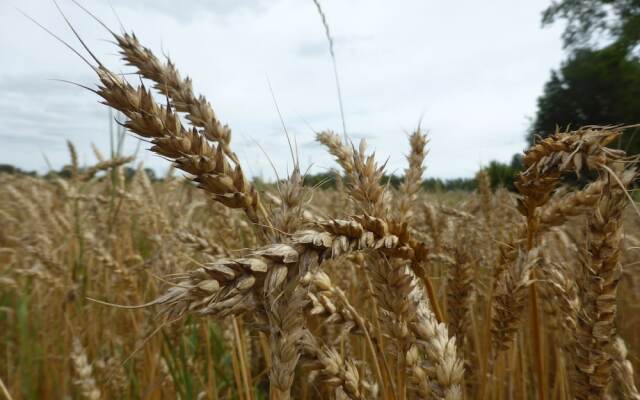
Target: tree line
65 172
500 175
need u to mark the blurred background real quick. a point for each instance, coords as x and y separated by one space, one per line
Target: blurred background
482 77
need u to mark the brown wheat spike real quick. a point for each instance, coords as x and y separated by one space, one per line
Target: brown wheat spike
486 195
168 81
343 153
327 301
283 302
572 204
363 232
510 300
561 153
561 305
335 370
362 172
544 165
412 182
84 371
112 368
598 286
392 286
443 365
459 294
201 243
290 212
435 222
330 301
189 149
624 386
75 166
565 301
228 286
456 213
417 372
115 162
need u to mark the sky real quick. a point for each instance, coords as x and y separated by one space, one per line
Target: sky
468 72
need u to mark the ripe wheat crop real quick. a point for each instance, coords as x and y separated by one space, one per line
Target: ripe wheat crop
212 287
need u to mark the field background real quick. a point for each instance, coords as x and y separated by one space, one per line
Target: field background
118 238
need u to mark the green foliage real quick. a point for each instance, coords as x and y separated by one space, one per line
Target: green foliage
321 179
599 83
328 181
130 172
593 87
502 174
10 169
456 184
589 21
28 352
393 181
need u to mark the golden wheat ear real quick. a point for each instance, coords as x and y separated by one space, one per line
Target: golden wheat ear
189 149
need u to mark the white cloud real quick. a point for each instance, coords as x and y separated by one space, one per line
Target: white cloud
471 70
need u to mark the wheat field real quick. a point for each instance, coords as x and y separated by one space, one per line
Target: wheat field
114 286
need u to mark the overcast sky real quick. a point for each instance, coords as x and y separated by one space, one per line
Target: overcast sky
470 70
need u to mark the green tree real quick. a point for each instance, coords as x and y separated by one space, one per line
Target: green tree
503 174
591 22
12 170
599 82
592 87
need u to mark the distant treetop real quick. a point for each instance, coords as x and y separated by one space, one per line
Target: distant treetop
590 22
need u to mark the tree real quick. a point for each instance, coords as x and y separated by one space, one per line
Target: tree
503 174
12 170
591 21
592 87
597 84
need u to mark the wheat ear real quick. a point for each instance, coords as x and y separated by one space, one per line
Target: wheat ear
84 371
625 386
412 182
598 286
